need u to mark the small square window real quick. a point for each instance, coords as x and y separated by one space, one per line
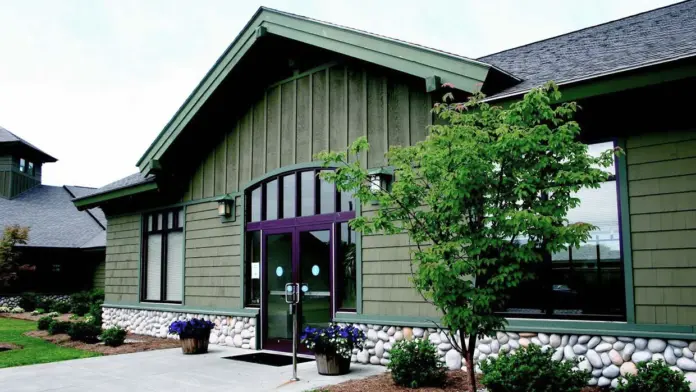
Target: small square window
22 165
30 168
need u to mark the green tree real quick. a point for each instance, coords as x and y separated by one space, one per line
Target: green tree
484 196
13 235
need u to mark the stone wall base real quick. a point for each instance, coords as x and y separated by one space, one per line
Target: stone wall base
13 301
229 331
606 357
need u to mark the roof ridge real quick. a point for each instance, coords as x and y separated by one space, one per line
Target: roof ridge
382 36
583 29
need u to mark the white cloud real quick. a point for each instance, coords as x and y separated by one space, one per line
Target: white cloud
93 82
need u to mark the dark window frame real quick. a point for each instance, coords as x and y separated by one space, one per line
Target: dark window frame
336 216
546 268
164 231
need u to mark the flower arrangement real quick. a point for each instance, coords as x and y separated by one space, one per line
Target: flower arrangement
193 328
333 340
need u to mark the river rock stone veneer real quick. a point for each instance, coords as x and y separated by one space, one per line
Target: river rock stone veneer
229 331
606 357
13 301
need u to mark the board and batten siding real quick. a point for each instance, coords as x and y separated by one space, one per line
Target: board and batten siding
324 109
662 190
122 259
213 268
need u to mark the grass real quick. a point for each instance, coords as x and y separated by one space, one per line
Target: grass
35 350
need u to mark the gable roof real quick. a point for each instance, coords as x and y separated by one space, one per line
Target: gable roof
464 73
10 138
53 219
649 38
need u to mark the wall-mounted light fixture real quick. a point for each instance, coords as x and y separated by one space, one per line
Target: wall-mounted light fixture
226 207
380 179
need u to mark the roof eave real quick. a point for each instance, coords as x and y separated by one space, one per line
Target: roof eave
465 74
91 201
616 80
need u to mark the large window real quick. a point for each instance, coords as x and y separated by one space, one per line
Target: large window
281 198
585 282
163 256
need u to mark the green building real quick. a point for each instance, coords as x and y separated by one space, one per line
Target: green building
226 208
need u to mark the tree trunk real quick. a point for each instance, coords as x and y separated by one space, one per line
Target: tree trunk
469 356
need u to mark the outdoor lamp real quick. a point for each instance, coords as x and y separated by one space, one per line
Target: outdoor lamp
226 207
380 179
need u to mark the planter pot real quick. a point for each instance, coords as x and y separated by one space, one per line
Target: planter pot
194 345
332 364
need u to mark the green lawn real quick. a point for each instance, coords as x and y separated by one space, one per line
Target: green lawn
35 350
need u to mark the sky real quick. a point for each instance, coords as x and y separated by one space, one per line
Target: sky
93 82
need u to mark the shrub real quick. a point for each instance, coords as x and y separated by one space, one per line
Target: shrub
113 336
74 317
44 322
55 327
415 364
17 309
60 307
53 314
80 308
38 311
28 301
44 302
95 314
653 377
96 296
532 369
84 332
4 309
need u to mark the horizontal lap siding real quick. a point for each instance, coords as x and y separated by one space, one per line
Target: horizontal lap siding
662 200
212 276
387 286
122 259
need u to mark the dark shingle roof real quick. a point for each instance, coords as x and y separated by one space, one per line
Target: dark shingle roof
651 37
9 137
82 191
125 182
53 219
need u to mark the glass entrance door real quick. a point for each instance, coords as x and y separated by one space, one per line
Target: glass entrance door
279 270
297 255
315 277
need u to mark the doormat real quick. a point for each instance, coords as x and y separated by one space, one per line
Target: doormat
268 359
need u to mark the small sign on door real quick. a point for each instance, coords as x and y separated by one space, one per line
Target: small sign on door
255 268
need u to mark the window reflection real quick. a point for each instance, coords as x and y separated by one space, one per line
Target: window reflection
346 268
585 281
327 197
307 182
289 190
256 205
272 200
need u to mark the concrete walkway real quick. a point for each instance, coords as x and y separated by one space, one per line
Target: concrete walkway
170 370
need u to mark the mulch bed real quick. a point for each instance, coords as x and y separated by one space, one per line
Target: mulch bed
27 316
457 381
134 343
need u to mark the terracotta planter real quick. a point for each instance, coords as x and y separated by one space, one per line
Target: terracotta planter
332 365
194 345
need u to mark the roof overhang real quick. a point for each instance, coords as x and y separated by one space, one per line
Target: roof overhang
643 75
431 65
91 201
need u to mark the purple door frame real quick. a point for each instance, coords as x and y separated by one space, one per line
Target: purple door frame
296 276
